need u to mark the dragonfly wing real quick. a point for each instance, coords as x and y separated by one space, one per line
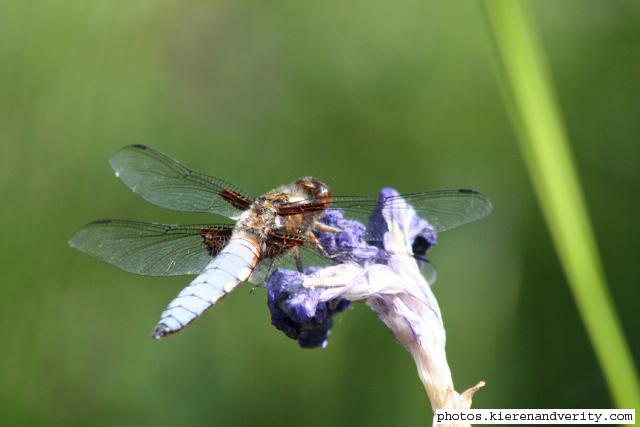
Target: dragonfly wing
443 209
168 183
428 271
309 257
282 252
152 249
446 209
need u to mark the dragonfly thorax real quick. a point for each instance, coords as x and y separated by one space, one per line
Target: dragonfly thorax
267 216
260 219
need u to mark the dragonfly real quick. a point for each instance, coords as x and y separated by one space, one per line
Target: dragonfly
269 229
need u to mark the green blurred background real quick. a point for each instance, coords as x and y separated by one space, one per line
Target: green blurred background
361 94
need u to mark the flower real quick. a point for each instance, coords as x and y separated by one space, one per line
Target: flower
384 273
303 310
298 311
362 244
419 234
349 244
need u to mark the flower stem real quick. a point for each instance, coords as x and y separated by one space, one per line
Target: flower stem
528 93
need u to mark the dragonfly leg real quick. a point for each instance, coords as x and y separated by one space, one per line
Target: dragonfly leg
316 244
326 228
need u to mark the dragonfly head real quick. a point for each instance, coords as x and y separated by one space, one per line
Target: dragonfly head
315 189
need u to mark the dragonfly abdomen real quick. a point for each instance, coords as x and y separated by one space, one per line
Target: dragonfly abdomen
232 266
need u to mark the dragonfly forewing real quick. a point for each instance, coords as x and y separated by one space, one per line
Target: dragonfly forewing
444 209
168 183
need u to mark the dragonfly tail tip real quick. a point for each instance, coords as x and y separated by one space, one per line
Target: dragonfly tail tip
160 331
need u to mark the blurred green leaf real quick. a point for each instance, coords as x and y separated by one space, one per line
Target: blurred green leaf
531 103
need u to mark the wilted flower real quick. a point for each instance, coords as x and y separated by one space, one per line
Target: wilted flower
298 311
385 275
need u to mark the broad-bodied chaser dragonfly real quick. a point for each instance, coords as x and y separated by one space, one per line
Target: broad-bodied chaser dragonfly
282 223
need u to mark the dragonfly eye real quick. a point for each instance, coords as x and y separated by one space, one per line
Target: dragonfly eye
322 190
314 188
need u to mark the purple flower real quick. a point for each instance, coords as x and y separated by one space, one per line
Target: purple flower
305 313
349 244
363 244
381 272
298 311
420 234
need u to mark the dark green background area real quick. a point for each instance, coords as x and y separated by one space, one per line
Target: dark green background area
362 94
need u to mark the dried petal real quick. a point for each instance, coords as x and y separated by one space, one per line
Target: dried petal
349 244
299 312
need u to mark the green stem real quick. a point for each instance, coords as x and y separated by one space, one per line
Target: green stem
526 85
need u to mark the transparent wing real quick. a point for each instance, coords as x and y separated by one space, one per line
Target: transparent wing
444 209
428 270
166 182
152 249
309 257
